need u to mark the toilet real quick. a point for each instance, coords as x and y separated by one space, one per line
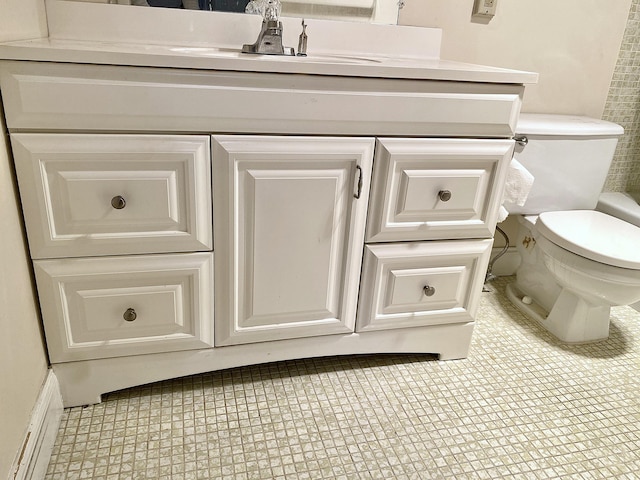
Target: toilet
576 262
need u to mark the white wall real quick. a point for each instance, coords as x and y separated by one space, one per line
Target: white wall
22 19
572 44
23 363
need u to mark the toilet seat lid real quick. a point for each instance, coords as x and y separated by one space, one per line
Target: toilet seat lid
594 235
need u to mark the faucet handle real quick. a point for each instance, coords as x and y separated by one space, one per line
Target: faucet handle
302 41
272 10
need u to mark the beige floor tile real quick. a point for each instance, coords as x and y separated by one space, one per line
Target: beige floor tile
523 405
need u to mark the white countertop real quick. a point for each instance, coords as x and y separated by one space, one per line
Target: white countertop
161 37
207 58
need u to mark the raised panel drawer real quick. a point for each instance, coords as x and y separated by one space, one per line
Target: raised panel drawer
426 189
420 284
86 195
116 306
173 100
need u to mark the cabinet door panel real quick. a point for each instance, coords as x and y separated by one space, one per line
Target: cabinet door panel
293 262
426 189
291 275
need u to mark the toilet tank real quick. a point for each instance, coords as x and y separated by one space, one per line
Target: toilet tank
569 158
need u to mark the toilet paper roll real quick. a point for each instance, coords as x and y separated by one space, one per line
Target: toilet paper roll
502 214
517 187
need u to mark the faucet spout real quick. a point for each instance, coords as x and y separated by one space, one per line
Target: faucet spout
269 40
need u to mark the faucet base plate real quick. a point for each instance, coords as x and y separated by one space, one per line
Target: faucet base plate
253 49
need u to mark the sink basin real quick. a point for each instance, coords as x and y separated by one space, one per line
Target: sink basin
310 58
338 59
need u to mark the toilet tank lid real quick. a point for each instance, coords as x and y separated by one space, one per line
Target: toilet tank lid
549 124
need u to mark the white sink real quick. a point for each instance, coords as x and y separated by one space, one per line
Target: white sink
338 58
310 58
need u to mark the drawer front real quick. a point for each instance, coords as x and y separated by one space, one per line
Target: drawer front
37 96
108 307
86 195
419 284
427 189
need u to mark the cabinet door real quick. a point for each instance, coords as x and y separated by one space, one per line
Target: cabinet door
288 233
426 189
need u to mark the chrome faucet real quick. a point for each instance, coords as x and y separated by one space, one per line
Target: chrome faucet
269 40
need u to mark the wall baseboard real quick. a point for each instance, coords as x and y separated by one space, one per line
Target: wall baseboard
507 264
33 459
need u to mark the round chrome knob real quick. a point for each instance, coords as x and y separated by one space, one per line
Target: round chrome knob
444 195
118 202
429 291
130 315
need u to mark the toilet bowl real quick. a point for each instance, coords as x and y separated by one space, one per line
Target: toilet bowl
593 259
576 262
623 205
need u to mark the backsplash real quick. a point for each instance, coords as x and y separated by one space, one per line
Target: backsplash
622 107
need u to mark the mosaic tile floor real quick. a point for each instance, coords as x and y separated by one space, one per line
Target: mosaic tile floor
521 406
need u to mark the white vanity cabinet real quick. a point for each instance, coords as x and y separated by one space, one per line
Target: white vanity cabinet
184 220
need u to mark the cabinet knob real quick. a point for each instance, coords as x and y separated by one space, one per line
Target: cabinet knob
130 315
444 195
118 202
429 291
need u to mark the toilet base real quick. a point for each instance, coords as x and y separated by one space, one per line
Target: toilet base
572 319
